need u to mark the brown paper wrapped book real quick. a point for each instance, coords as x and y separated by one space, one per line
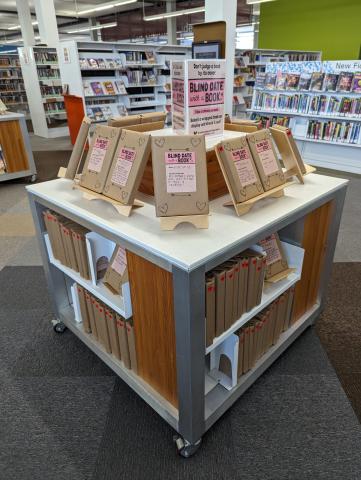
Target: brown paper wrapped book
117 272
180 175
276 261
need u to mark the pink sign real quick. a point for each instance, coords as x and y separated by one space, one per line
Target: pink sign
265 152
244 167
97 155
205 92
270 246
180 171
123 166
120 261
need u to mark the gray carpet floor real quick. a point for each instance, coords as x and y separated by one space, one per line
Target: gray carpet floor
65 416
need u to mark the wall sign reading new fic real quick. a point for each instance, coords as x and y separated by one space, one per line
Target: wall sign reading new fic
198 89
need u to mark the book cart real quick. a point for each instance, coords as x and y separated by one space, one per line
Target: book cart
17 159
167 287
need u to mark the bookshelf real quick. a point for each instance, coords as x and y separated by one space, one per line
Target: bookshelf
12 90
167 286
323 109
119 78
43 84
248 63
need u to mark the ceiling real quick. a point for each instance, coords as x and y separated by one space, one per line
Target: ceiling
129 17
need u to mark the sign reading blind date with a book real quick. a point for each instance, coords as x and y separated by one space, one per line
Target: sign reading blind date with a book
198 89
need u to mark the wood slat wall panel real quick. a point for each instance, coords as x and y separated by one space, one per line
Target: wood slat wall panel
153 316
12 143
314 242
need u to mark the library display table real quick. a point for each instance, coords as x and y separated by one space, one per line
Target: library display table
15 147
167 283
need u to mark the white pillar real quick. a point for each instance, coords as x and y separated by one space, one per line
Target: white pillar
94 34
48 28
171 24
27 31
226 10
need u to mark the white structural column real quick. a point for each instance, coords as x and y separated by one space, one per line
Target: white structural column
171 24
94 34
27 31
48 28
226 10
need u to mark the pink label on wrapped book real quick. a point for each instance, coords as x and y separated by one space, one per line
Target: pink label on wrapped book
97 155
270 246
123 166
244 167
180 172
266 155
120 261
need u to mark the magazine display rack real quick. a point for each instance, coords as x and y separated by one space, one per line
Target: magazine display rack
167 272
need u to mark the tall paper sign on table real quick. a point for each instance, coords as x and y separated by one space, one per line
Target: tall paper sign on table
198 89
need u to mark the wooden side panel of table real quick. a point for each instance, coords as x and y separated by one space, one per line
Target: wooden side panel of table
153 317
13 147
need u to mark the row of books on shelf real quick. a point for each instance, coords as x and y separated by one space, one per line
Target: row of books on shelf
10 74
51 90
109 87
44 72
305 103
141 77
101 113
13 99
9 62
265 57
268 121
316 81
54 107
107 327
12 85
236 286
339 132
45 57
263 331
116 63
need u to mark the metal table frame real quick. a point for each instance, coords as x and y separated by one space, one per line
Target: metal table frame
194 417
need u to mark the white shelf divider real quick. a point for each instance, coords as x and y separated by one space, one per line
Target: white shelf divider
271 291
116 302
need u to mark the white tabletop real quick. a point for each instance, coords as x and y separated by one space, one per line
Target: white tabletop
211 140
10 116
186 246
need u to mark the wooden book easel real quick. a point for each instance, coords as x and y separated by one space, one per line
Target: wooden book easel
198 221
122 209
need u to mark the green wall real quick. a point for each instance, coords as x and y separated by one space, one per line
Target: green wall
333 26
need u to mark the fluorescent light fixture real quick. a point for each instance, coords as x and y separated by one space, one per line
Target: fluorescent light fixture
176 13
255 2
106 6
97 27
17 27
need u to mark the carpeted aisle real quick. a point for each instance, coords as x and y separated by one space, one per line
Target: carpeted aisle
65 416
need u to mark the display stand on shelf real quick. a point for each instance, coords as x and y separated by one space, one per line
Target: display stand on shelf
322 108
16 156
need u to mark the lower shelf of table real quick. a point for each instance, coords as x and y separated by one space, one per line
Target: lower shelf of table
218 400
149 395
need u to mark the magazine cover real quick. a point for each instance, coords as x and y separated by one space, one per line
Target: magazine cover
292 81
330 82
345 81
281 81
83 63
98 114
270 80
119 84
109 88
149 55
88 92
356 83
97 88
107 112
260 80
110 63
92 63
317 81
305 81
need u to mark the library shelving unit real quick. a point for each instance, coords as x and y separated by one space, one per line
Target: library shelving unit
43 85
248 63
167 272
16 156
12 90
119 78
326 122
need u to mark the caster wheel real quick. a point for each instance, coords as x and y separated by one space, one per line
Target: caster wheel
59 327
186 449
32 179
